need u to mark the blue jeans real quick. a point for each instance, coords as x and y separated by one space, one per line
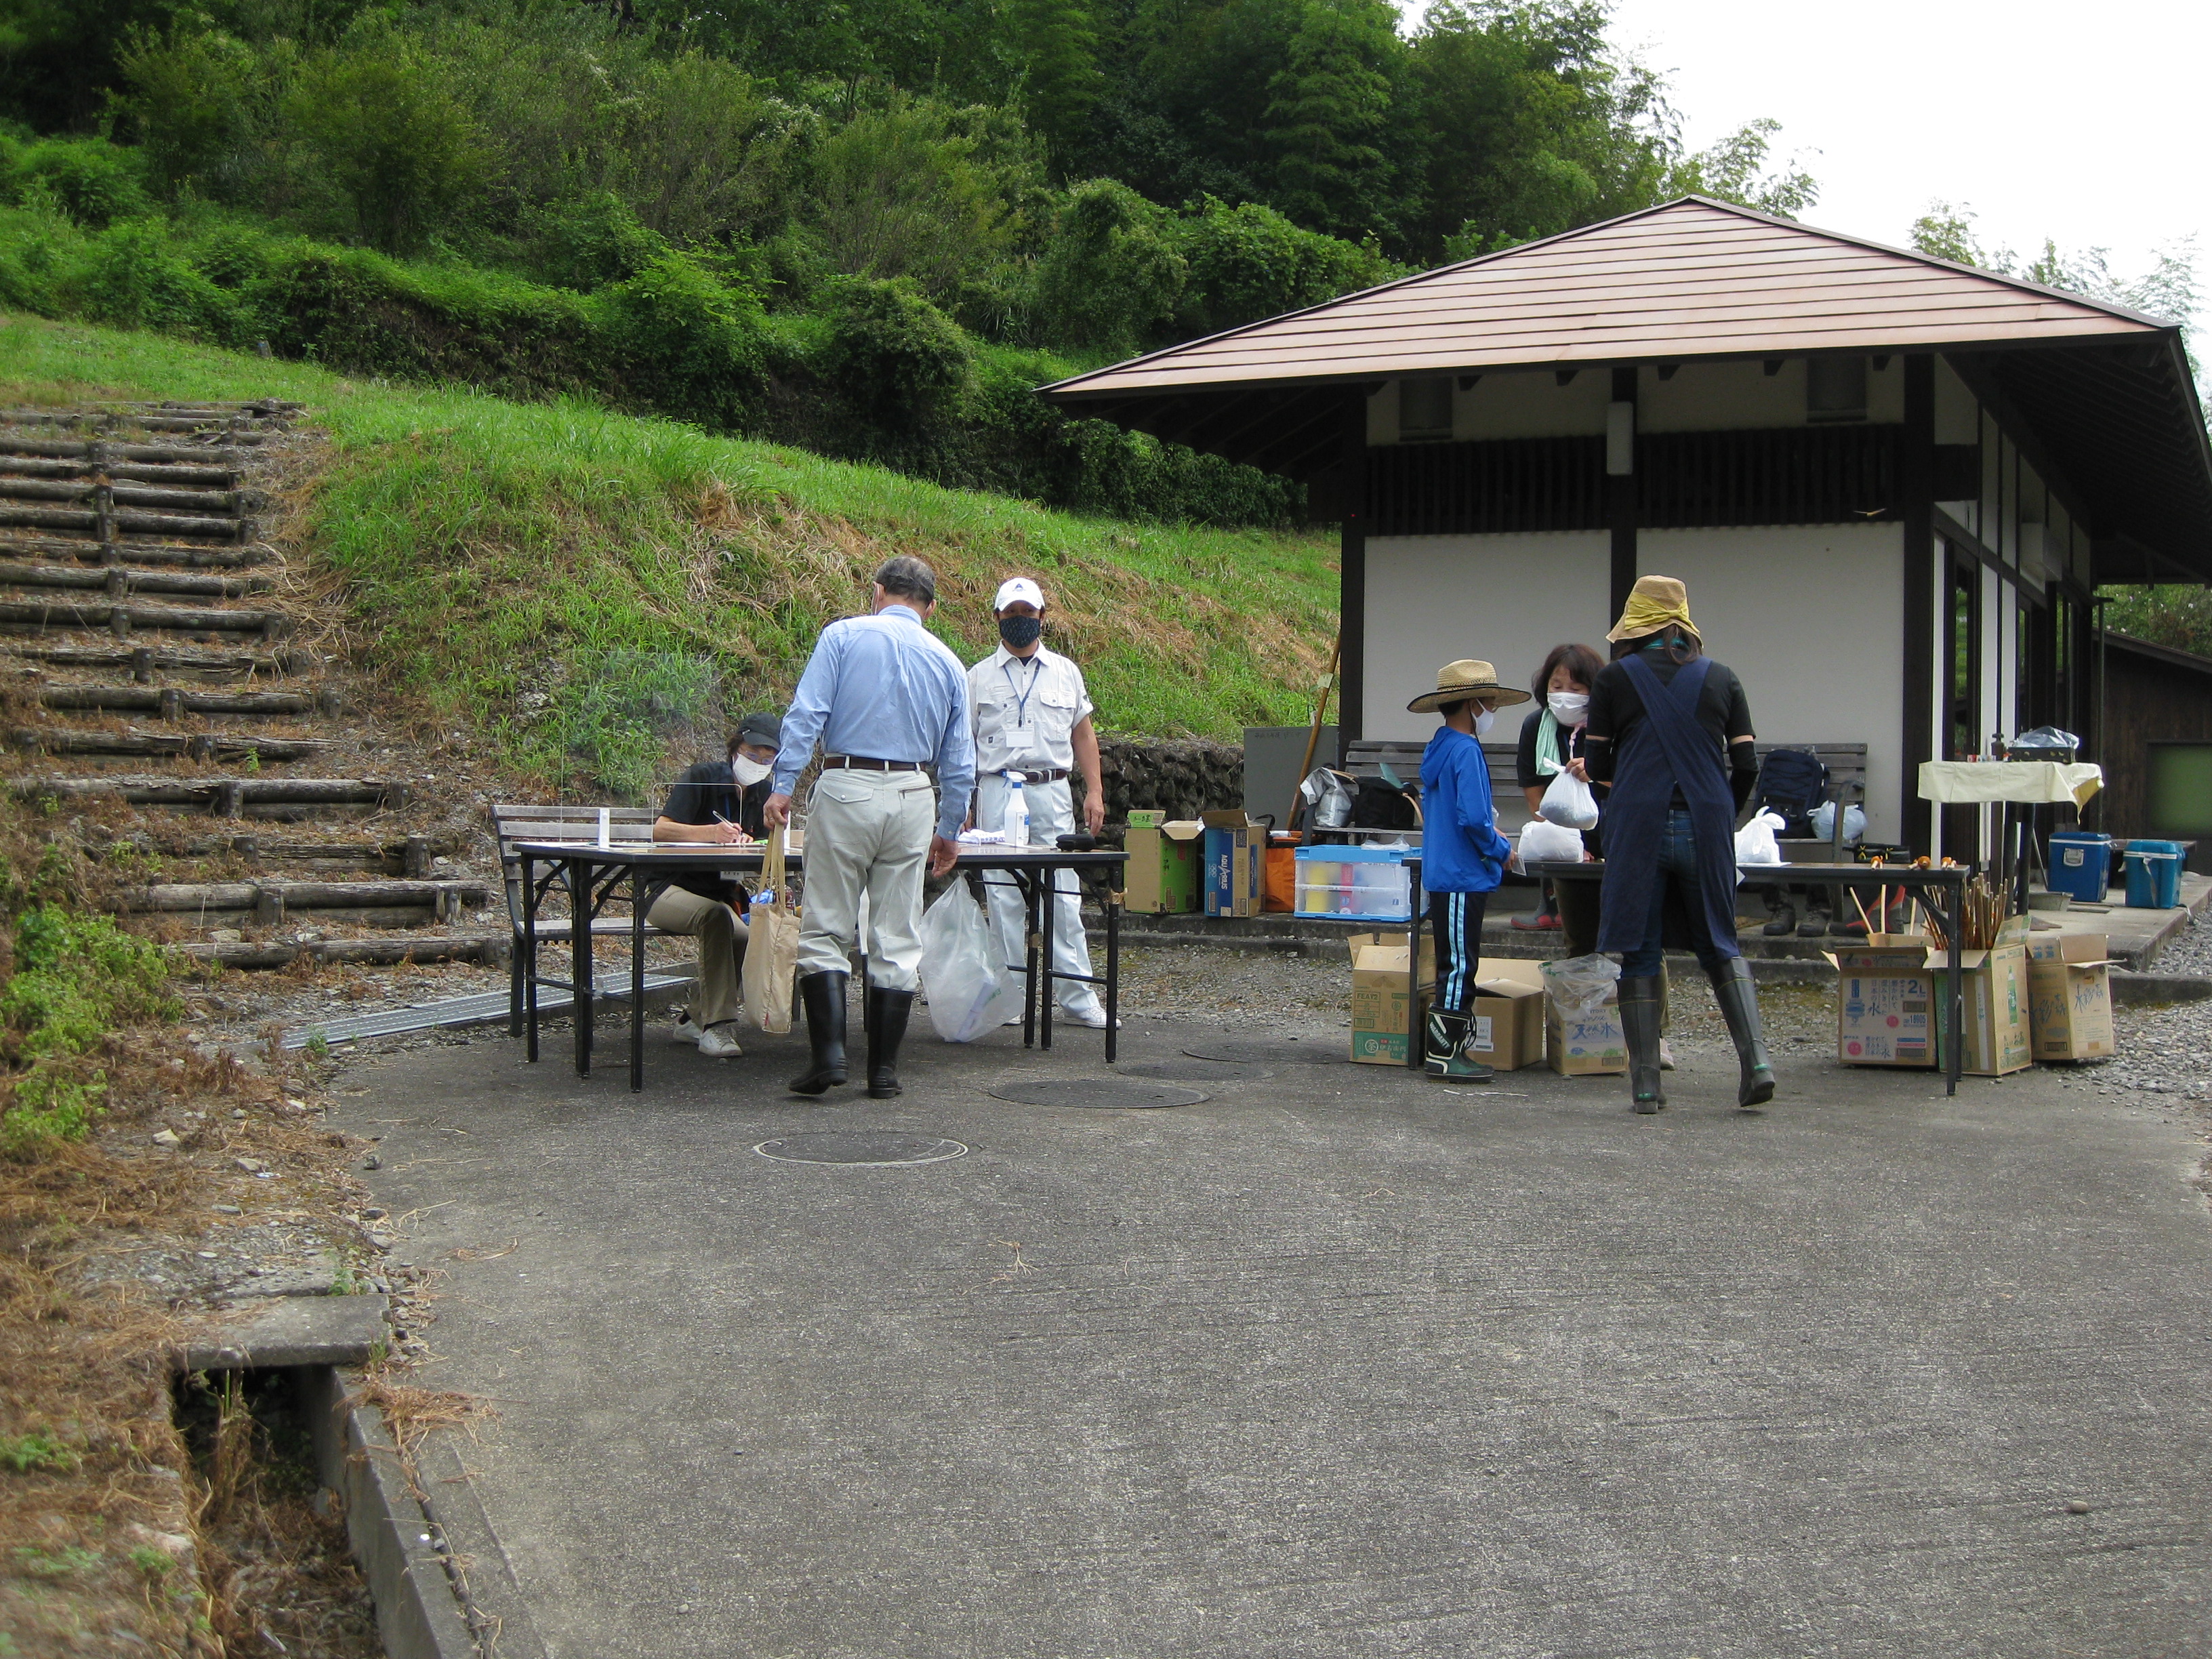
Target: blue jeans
1678 866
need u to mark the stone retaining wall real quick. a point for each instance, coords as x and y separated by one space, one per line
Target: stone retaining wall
1182 777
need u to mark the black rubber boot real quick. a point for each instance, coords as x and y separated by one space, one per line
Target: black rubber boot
823 994
886 1014
1639 1023
1443 1051
1738 1001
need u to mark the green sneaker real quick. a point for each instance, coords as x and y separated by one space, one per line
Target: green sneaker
1444 1051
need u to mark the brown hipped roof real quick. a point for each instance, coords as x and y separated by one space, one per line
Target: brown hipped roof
2105 393
1694 278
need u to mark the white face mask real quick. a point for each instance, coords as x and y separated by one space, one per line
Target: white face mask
1482 721
748 772
1568 707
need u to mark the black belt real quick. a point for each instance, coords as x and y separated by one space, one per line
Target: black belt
1053 777
859 763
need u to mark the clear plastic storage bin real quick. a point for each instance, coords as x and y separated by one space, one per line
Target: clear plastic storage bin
1355 884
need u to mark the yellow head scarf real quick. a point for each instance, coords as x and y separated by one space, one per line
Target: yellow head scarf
1653 603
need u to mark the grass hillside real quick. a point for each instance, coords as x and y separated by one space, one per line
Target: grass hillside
588 589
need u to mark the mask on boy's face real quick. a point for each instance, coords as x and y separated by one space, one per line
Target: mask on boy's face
748 772
1018 631
1483 720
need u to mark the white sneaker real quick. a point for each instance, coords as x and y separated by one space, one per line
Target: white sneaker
1094 1016
1666 1056
685 1031
719 1042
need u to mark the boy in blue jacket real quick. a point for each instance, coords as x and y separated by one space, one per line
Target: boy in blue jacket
1463 857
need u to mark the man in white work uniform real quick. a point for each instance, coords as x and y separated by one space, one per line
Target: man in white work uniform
1033 718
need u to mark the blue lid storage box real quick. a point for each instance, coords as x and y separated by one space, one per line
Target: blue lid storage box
1355 884
2154 875
2080 863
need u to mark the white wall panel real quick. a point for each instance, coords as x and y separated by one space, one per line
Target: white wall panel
1506 599
1812 618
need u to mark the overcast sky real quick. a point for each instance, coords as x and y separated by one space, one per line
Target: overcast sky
2086 123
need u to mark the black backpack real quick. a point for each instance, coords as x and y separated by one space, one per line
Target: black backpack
1381 805
1791 783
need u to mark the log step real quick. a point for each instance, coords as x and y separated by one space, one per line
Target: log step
133 553
15 443
476 947
410 857
192 746
288 895
18 614
86 467
142 662
169 701
227 796
147 524
117 578
225 503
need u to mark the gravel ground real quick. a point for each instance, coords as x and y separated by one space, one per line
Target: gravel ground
2189 951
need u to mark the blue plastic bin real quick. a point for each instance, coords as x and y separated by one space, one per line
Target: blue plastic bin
2081 864
2154 875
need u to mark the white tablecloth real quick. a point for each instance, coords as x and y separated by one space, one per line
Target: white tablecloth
1960 783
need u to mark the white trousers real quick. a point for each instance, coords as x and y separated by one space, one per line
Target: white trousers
1052 814
867 835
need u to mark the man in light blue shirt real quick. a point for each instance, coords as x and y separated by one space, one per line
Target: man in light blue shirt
887 699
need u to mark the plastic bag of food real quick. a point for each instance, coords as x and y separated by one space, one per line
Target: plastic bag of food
1549 843
1579 986
970 992
1570 801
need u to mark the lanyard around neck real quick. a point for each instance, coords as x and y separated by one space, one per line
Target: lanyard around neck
1022 698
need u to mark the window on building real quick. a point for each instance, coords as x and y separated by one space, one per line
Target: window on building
1835 389
2179 794
1425 408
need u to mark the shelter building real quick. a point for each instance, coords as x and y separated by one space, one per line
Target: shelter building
1891 482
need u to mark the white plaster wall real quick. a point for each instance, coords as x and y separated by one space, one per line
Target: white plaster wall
1506 599
1722 398
1812 618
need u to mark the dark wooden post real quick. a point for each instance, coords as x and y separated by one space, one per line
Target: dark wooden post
1351 580
1924 667
1621 507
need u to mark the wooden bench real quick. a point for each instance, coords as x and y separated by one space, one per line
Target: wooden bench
579 825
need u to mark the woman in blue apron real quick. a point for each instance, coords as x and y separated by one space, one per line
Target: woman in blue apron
1670 729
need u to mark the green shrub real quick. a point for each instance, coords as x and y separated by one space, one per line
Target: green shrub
46 1104
1111 274
95 182
893 356
618 710
77 974
27 1454
133 278
589 243
392 137
190 100
682 343
1249 262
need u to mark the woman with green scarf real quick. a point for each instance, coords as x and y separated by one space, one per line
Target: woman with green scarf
1552 742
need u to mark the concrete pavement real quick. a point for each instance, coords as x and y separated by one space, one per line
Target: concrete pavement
1337 1363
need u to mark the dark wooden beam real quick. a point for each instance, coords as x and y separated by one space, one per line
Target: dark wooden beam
1352 577
1621 507
1925 668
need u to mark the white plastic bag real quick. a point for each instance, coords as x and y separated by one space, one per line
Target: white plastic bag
1549 843
1755 843
1570 801
1579 986
969 991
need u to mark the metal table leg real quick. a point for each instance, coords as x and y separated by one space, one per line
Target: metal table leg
530 956
1047 903
1415 1041
1113 968
1956 1062
1025 882
580 971
637 984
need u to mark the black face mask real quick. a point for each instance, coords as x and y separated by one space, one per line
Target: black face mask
1018 631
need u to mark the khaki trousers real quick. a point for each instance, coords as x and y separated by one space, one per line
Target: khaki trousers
721 936
1052 815
866 833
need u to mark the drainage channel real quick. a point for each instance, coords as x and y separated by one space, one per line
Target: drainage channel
455 1012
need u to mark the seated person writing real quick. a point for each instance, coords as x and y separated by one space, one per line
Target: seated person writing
718 801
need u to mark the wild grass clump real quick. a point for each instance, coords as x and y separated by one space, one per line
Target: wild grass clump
76 976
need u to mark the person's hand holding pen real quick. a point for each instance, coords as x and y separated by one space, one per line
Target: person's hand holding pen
730 833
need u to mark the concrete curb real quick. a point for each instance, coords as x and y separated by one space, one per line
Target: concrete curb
397 1542
2133 990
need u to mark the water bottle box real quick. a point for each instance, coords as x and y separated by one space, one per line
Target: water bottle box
1236 863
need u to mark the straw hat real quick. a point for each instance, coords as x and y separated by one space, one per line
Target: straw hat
1467 677
1653 604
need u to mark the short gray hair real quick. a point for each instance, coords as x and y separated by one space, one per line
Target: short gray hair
908 578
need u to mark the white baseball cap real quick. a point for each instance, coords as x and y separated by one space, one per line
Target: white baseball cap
1019 590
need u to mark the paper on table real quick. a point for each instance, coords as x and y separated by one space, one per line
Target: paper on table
1960 783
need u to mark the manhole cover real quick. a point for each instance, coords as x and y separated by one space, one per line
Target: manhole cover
1325 1051
860 1146
1198 1070
1125 1092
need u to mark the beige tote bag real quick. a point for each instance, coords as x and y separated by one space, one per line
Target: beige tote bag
772 952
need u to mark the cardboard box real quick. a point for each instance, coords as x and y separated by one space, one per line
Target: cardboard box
2070 997
1884 1002
1146 818
1382 1023
1996 1002
1163 872
1234 872
1507 1030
